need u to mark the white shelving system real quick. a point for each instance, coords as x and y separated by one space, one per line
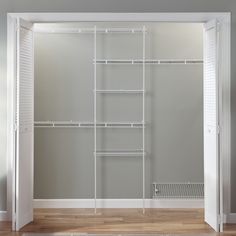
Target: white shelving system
140 153
143 120
95 119
78 124
128 153
150 61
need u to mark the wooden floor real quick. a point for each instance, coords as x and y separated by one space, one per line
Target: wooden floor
118 221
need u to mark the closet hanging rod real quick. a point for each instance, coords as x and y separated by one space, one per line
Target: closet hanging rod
149 61
88 30
74 124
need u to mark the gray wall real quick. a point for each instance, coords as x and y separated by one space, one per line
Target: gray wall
109 6
174 110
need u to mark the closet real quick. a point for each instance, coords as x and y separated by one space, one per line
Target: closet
127 97
118 115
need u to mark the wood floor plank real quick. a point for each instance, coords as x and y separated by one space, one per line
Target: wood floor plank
118 221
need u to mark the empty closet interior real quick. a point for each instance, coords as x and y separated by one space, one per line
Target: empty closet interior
118 110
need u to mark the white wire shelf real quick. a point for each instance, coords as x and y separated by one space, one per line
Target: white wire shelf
149 61
119 91
134 153
88 30
77 124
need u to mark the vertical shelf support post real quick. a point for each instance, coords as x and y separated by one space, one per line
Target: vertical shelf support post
95 119
143 131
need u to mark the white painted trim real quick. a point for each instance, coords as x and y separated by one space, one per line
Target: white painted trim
3 216
231 218
222 17
225 112
108 16
119 203
11 75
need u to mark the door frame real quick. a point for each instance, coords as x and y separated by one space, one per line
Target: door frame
224 18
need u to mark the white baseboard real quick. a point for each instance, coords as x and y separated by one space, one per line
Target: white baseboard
3 216
118 203
231 218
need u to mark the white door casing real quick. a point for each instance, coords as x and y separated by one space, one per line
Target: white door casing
166 17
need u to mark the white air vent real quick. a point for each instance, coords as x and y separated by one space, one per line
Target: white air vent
178 190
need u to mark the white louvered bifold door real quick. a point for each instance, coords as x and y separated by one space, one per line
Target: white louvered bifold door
24 124
211 128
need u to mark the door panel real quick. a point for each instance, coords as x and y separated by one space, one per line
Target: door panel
24 124
211 142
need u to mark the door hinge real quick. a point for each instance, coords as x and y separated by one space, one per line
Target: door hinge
218 129
17 28
218 26
14 222
15 127
221 218
14 217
